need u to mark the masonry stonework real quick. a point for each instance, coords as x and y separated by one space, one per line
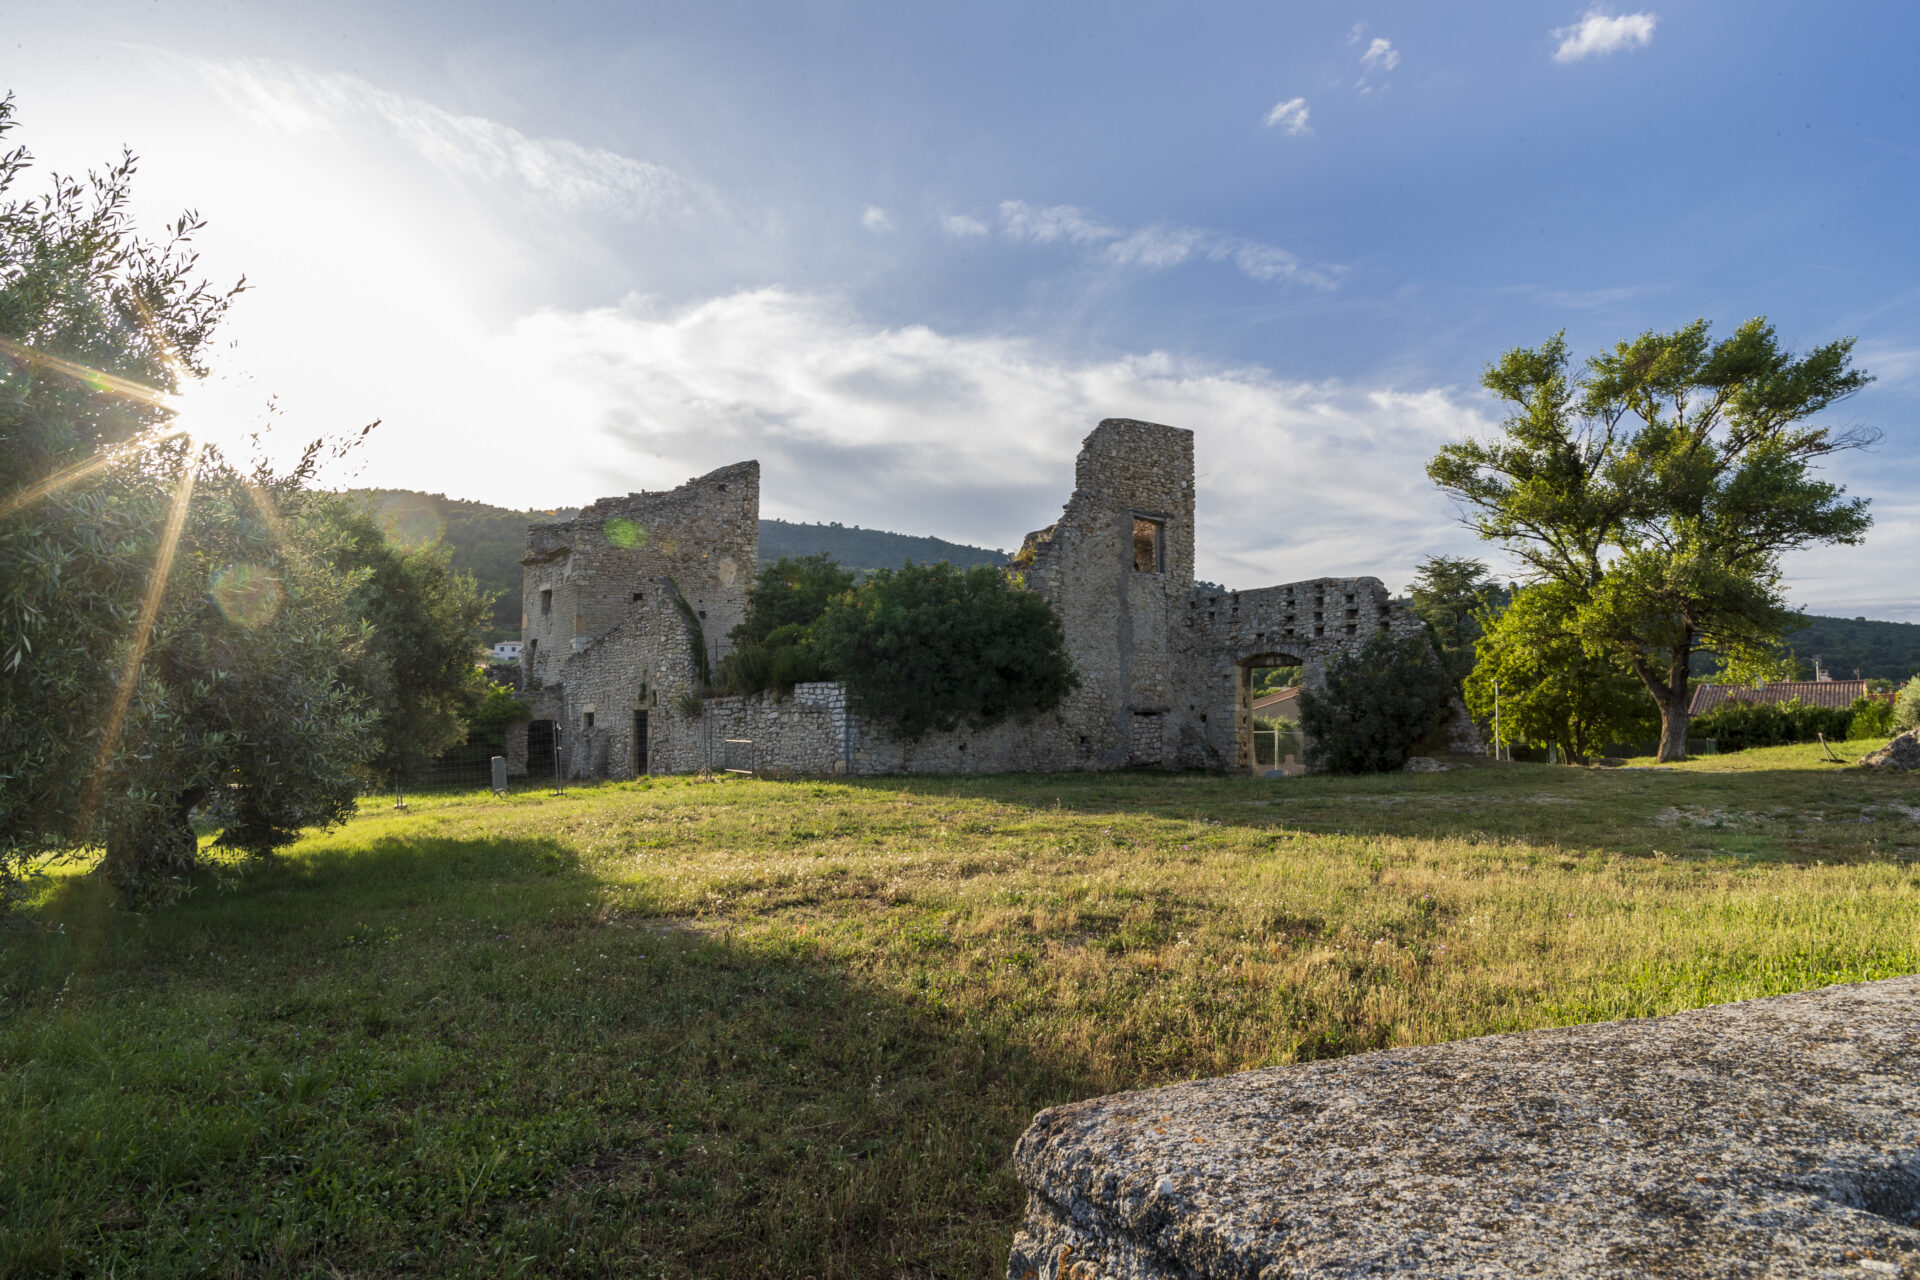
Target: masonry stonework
1165 668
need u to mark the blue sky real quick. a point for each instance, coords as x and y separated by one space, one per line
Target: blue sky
907 256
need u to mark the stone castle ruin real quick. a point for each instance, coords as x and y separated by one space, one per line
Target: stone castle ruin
628 605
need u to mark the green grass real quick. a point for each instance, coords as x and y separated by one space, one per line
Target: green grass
793 1029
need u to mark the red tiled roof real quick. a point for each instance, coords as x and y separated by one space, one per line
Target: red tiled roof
1814 693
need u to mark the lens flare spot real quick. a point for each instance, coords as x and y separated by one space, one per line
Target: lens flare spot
247 594
411 520
622 532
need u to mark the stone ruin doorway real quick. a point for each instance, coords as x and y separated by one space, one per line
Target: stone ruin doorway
540 748
1266 752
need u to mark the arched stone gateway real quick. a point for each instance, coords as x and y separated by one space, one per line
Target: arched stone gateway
1308 623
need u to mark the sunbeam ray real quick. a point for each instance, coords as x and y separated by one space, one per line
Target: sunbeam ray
142 633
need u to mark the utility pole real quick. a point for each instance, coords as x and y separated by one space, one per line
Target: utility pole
1496 719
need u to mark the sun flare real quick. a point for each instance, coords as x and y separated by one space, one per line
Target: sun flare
219 413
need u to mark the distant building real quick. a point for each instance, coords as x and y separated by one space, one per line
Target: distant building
1281 704
506 651
1812 693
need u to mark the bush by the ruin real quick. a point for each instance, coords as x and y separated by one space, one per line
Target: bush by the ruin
773 647
1906 707
1376 706
1738 726
1872 718
931 647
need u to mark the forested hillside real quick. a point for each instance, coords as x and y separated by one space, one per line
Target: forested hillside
488 541
1846 646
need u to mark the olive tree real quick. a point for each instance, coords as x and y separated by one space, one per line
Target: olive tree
173 632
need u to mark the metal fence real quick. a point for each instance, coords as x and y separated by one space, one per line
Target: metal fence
1279 752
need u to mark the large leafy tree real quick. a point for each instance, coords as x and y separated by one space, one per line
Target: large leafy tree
1660 485
1548 687
931 646
173 632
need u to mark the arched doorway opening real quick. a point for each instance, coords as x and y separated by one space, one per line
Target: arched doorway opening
1266 733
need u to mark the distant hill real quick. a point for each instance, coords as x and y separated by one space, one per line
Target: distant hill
866 549
1875 650
488 541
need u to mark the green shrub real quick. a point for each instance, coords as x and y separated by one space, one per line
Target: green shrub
1377 704
773 646
929 646
1872 718
1906 707
1736 726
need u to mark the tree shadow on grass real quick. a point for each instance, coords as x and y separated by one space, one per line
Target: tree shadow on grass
457 1057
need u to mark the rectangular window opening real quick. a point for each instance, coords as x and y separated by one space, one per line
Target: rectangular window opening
546 603
1148 536
586 720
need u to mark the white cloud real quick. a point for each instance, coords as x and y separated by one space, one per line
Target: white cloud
295 100
1156 247
874 218
1380 56
961 227
1290 115
1599 33
967 437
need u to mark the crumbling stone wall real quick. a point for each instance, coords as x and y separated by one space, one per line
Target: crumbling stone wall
581 575
605 634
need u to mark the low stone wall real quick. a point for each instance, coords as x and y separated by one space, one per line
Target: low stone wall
1776 1137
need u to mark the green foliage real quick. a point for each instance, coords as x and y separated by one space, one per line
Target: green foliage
1451 595
415 672
1906 707
1376 706
1268 680
175 632
1551 690
495 708
1737 726
773 646
1660 485
1872 718
928 647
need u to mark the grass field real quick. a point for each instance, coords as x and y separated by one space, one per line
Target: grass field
793 1028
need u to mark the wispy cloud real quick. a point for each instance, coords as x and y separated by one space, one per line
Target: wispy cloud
1291 116
1156 247
874 218
1380 56
1599 32
961 227
296 100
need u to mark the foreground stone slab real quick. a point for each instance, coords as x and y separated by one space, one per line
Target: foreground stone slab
1776 1137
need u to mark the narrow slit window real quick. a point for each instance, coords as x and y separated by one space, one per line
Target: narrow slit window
1147 538
546 603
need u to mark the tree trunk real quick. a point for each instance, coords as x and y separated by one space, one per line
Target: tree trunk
1673 703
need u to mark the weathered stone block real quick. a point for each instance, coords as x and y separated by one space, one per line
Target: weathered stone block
1776 1137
